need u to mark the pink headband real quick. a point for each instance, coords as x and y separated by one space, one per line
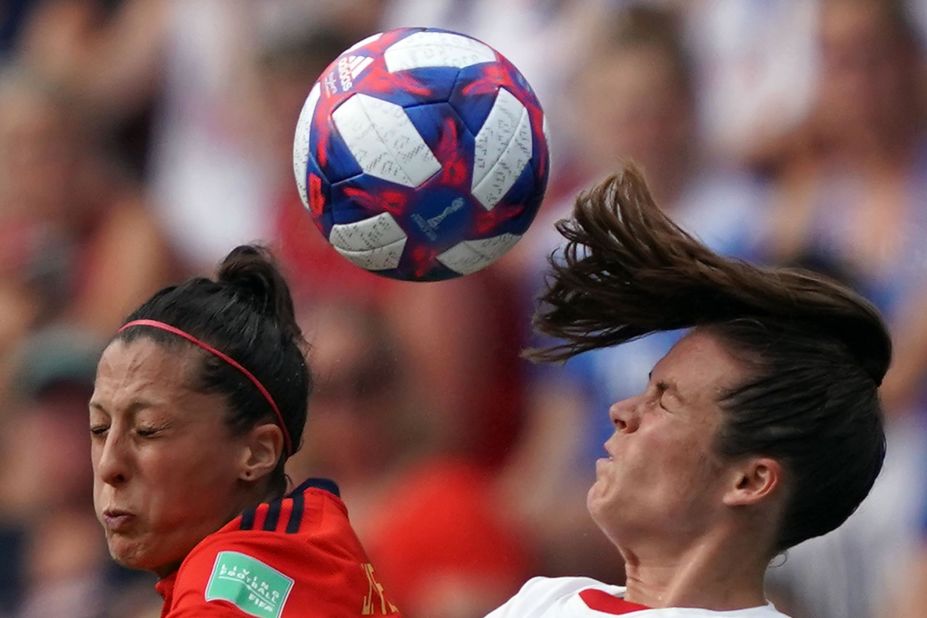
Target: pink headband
228 359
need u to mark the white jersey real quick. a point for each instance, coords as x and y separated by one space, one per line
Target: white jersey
582 597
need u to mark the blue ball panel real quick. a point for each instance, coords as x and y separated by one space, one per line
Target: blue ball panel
449 140
409 87
473 96
362 196
437 218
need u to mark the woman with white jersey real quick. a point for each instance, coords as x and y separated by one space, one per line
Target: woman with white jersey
759 429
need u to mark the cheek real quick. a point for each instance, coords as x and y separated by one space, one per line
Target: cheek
691 483
659 466
97 484
186 482
180 498
684 454
657 492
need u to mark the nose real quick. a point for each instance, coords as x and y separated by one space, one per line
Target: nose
110 463
624 415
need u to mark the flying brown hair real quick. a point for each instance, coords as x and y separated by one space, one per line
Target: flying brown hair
628 270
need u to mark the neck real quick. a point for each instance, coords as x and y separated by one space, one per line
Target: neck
716 572
253 494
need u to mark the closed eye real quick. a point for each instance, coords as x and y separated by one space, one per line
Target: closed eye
662 387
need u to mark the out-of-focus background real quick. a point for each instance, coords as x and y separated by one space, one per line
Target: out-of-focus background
141 139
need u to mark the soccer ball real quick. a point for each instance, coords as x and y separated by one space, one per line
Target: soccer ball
421 154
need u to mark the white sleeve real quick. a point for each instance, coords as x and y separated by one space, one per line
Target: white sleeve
541 594
556 597
518 604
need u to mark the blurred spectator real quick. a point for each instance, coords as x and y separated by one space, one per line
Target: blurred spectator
15 12
634 100
214 174
211 176
108 54
911 587
173 81
754 61
45 487
77 243
850 181
430 522
848 198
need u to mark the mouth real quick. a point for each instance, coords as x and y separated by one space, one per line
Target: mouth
608 454
606 459
116 520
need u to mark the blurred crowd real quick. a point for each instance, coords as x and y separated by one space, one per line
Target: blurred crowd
140 140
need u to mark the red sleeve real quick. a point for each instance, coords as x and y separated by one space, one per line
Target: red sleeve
213 609
254 573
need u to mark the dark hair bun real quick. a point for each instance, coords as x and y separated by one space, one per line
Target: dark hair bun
252 270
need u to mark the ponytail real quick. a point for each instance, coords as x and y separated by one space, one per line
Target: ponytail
628 270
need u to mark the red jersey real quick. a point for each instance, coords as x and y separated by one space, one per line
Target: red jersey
296 557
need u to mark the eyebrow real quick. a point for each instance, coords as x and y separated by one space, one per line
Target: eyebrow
668 385
134 408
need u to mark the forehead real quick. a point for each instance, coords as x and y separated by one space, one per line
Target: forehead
144 369
700 366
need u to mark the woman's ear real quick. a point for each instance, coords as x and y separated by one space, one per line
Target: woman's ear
754 480
263 447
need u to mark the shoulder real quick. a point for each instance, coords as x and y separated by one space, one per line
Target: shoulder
310 509
551 596
279 556
583 597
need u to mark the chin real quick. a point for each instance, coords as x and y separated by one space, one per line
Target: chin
602 510
131 554
596 504
127 560
600 495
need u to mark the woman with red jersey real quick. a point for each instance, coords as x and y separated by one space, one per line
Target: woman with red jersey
199 401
